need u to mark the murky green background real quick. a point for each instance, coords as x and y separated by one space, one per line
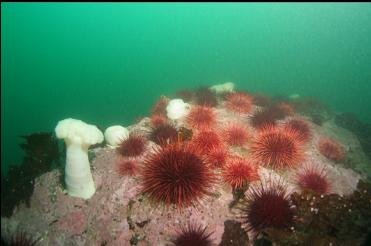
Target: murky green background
108 63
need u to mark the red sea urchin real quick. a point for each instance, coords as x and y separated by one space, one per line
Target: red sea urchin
192 235
127 167
267 206
314 178
331 149
239 102
176 174
133 146
217 156
235 134
204 141
301 129
277 148
238 171
201 117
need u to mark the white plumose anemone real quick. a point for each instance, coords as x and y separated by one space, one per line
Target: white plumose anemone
78 136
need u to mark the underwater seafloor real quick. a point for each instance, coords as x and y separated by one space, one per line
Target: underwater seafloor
266 171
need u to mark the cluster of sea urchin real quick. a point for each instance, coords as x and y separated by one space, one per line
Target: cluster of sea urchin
180 173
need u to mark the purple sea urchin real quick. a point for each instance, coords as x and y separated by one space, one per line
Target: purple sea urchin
314 178
193 235
133 146
267 205
164 134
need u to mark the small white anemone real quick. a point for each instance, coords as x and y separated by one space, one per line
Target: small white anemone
294 96
177 108
114 135
78 136
222 88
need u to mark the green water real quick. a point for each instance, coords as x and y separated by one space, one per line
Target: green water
108 63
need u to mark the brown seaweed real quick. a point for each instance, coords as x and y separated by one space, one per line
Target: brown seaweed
41 155
328 219
234 234
20 238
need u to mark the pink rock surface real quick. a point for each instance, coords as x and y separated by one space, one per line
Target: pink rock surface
74 222
119 213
